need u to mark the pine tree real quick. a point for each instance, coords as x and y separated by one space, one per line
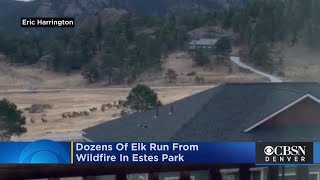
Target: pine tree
11 120
142 98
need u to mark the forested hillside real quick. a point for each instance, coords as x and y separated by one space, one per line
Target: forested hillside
261 24
120 51
11 11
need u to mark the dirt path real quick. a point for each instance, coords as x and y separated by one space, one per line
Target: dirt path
237 61
13 91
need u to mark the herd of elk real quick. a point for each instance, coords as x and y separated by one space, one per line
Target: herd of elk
74 114
103 108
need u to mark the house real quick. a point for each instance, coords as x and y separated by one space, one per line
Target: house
236 112
202 44
230 112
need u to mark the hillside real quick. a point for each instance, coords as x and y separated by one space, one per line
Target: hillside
301 63
118 44
28 77
11 11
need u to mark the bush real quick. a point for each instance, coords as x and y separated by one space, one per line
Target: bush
199 79
191 73
171 76
38 108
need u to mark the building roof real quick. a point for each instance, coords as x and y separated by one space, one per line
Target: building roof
222 113
204 42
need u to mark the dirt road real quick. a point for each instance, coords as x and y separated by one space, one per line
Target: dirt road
237 61
12 91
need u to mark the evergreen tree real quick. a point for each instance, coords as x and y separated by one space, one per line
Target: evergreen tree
11 120
260 54
201 59
223 48
91 73
142 98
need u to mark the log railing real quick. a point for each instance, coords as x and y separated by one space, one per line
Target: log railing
57 171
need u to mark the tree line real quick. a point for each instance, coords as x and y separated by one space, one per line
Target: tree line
119 52
260 24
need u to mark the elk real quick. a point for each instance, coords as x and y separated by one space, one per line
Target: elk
93 109
109 105
69 115
32 120
44 120
86 113
64 115
75 114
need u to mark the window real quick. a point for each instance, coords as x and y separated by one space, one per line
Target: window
137 176
177 178
257 173
228 177
312 176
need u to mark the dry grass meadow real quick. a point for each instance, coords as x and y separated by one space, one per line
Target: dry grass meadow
27 85
80 100
301 63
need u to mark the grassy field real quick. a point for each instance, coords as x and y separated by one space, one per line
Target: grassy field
301 63
28 85
80 100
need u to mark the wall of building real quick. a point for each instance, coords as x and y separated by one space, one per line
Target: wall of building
306 112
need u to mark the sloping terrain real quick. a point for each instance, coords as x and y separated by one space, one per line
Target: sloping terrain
28 77
301 63
11 11
181 62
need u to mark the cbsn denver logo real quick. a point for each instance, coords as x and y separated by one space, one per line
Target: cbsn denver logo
284 153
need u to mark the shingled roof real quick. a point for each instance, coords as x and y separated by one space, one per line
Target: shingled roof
222 113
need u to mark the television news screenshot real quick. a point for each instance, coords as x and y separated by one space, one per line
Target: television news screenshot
159 90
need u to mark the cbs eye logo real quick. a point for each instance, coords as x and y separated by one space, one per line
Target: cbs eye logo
268 150
44 152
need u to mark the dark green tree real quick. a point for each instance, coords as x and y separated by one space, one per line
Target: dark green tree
223 48
201 59
11 120
142 98
260 55
91 73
